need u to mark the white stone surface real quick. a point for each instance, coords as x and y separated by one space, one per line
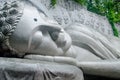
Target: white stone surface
118 27
67 12
22 69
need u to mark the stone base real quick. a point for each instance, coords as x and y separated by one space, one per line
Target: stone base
23 69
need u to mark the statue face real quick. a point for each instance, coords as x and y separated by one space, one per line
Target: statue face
35 33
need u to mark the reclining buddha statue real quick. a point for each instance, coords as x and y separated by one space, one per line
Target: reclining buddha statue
26 31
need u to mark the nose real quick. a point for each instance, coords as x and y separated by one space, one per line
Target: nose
50 28
53 30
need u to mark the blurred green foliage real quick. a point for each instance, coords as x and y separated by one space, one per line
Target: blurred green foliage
53 2
108 8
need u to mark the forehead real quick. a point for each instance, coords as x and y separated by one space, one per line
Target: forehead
35 12
31 12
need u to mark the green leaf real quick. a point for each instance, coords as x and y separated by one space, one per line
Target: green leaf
53 2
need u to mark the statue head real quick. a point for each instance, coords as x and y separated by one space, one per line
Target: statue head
29 30
10 13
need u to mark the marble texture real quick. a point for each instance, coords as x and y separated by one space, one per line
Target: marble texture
22 69
58 35
67 12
